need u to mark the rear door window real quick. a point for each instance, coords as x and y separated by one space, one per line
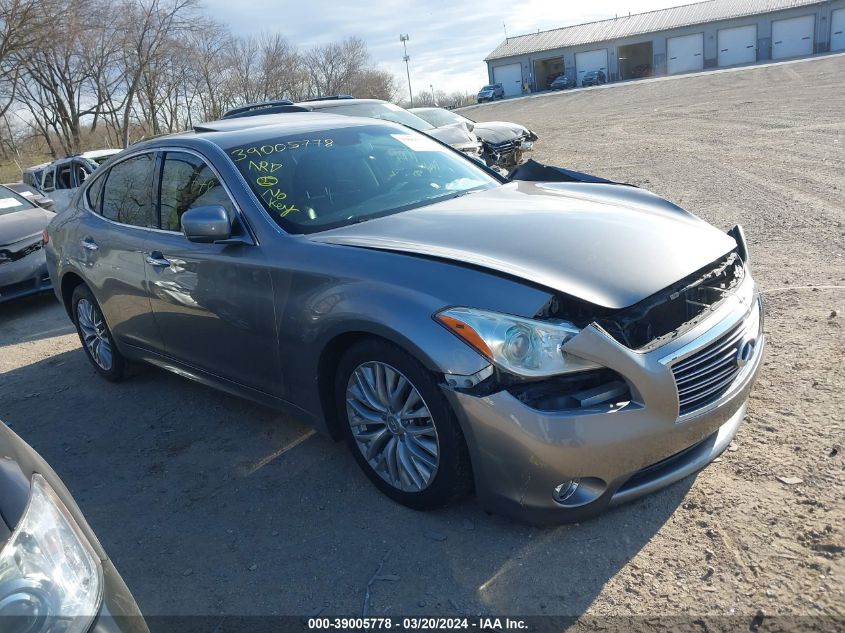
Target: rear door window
128 192
187 182
49 180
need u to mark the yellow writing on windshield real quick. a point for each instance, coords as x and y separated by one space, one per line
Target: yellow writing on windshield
243 153
264 165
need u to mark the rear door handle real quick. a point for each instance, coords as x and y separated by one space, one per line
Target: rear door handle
157 259
89 244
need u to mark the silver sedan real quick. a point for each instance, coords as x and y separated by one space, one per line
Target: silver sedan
558 345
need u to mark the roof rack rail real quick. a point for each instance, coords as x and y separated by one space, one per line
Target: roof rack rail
277 106
331 98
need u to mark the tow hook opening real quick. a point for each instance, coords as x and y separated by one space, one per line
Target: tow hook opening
579 491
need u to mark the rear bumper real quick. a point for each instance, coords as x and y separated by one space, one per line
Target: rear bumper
521 455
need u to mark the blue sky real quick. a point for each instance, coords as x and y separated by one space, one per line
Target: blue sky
449 39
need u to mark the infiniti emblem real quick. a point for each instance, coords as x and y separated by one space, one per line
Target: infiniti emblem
745 352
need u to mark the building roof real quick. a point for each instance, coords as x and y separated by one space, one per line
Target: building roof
639 23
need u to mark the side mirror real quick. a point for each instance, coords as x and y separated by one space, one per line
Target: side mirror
206 224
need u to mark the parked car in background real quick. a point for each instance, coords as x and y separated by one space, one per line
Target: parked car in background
31 194
458 136
62 178
561 82
23 270
491 92
54 574
594 78
503 145
100 156
557 346
643 70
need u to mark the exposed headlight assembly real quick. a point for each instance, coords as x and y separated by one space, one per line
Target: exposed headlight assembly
51 579
525 347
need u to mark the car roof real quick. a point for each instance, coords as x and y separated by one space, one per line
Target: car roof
99 153
230 132
326 104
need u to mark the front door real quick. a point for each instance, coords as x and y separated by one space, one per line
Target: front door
213 302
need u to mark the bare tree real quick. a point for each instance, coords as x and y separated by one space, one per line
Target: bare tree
210 45
334 67
150 25
100 71
24 24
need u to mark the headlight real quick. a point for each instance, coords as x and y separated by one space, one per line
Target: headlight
525 347
50 577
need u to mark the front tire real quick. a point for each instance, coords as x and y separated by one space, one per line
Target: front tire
95 336
400 427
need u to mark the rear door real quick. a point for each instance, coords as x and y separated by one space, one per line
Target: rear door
110 242
213 302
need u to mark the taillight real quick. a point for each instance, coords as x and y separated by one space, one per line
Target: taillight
45 237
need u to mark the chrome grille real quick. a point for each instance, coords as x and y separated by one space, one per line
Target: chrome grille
707 374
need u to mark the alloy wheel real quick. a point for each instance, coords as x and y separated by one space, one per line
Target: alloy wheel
94 333
392 426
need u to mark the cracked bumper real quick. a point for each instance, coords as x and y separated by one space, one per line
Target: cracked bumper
520 455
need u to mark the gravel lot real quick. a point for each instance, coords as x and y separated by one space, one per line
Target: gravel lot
211 505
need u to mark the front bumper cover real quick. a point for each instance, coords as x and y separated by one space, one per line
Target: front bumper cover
520 455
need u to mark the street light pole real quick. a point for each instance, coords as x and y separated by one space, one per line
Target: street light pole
404 39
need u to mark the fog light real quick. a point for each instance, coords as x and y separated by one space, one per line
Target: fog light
565 490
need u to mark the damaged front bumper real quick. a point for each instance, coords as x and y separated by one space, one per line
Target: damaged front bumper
23 269
549 466
508 154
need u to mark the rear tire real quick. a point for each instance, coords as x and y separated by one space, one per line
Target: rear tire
416 452
95 336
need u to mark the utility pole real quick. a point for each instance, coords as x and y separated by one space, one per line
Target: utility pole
404 39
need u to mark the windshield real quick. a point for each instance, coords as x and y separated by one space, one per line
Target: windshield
493 87
385 111
330 178
439 117
10 202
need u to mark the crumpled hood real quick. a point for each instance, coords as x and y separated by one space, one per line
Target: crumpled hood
610 245
499 131
456 134
20 225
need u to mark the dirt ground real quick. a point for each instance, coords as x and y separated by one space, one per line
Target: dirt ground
210 505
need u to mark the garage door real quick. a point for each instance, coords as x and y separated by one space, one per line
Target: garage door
837 30
685 54
510 77
591 60
738 45
793 37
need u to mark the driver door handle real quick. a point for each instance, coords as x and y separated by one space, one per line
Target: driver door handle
157 259
89 244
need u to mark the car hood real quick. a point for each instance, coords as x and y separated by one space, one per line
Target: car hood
21 225
499 131
611 245
456 134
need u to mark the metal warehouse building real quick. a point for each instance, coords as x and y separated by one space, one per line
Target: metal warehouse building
711 34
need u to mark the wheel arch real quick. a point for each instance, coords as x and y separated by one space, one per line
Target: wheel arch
70 280
432 356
